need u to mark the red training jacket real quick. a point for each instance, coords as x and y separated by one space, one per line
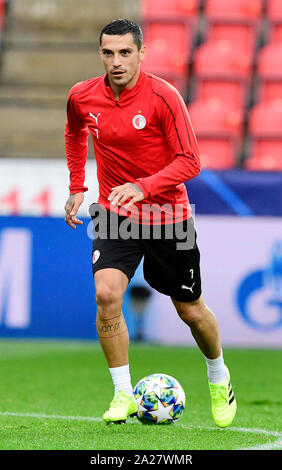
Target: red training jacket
145 138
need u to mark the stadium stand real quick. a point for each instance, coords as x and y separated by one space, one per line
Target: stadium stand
2 18
265 117
231 90
234 9
48 46
237 85
224 57
269 61
265 154
216 116
275 32
269 89
264 129
222 73
169 50
2 13
166 9
274 10
218 152
219 130
169 28
242 33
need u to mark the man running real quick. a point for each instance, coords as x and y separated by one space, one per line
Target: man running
145 150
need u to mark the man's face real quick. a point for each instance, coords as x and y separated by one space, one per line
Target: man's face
121 58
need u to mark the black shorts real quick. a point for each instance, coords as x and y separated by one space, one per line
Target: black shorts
171 255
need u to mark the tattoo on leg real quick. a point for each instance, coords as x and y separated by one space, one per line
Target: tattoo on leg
111 327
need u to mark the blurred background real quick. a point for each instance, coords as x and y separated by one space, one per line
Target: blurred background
225 58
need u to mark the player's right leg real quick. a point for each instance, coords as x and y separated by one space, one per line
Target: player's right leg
110 286
114 261
112 331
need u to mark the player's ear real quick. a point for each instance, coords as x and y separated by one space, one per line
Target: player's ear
142 53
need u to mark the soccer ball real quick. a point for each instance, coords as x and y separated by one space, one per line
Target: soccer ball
160 399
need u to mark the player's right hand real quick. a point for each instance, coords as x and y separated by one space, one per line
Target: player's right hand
71 208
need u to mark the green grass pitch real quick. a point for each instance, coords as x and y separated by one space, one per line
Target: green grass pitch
53 395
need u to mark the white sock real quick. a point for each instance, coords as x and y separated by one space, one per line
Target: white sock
217 371
121 378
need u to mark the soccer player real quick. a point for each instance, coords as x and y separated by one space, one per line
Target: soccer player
145 150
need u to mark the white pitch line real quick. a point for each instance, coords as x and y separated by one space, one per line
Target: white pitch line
44 416
267 446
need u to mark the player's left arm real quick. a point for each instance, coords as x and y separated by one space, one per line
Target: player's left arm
176 125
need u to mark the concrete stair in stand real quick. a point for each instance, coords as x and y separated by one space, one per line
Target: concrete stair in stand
48 46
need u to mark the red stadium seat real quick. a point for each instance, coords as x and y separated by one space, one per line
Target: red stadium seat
269 61
274 10
233 9
265 124
169 8
265 155
275 33
229 90
2 13
168 50
240 33
265 119
215 117
217 152
168 45
269 89
223 58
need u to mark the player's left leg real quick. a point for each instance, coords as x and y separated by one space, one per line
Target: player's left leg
204 328
203 325
179 265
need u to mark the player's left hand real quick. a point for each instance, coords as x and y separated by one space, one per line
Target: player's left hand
126 191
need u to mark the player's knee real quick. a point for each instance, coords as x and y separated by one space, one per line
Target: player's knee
107 296
191 312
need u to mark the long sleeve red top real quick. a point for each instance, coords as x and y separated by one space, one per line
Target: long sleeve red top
145 137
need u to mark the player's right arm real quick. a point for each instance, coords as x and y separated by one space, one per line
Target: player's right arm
76 147
71 208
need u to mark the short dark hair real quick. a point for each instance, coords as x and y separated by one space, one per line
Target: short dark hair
121 27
